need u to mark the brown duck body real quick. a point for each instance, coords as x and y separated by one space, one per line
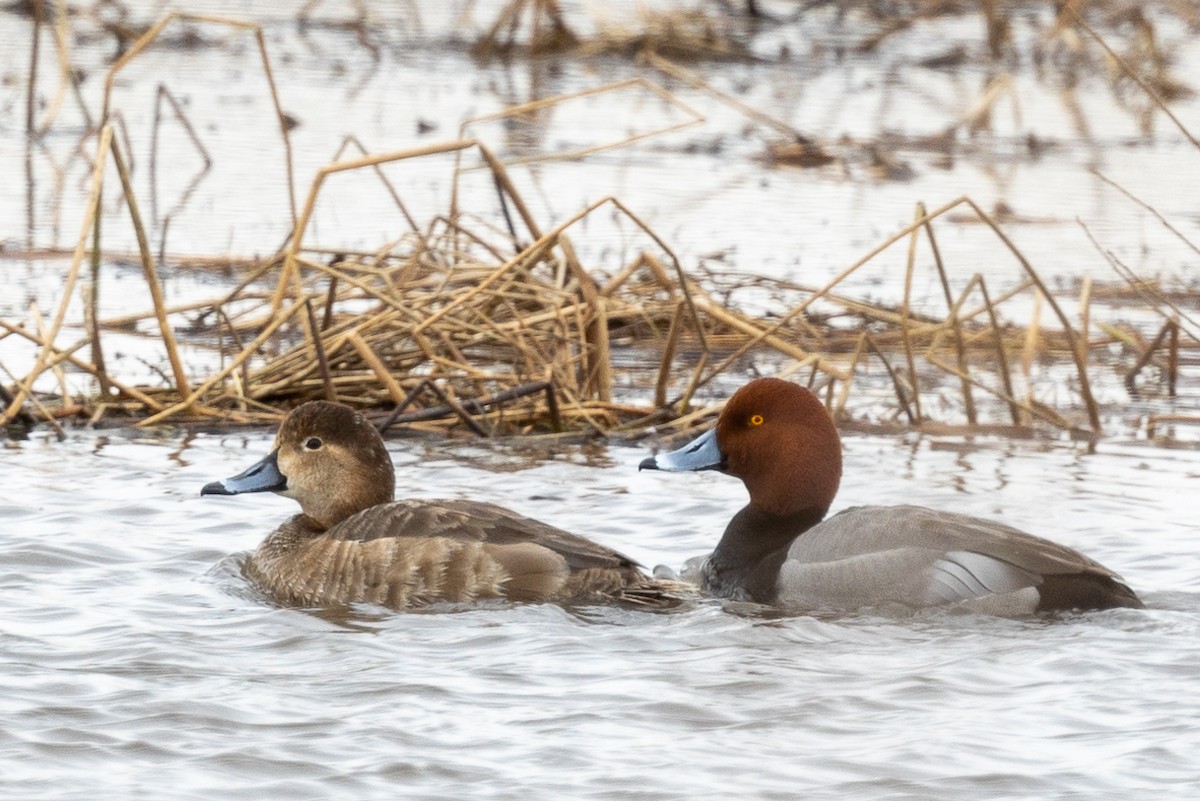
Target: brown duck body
407 554
353 543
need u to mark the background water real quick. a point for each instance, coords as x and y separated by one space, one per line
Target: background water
136 662
1068 138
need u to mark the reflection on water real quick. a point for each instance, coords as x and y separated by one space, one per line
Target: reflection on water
135 656
414 83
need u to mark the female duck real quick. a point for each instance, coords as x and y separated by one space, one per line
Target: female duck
778 439
352 543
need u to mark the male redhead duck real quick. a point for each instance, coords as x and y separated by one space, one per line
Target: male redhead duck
352 543
779 550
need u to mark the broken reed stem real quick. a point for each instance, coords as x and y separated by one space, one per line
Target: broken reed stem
1157 215
603 362
280 117
372 360
959 344
505 187
1085 386
319 351
1147 354
685 400
330 297
695 81
998 344
477 406
162 94
31 87
913 418
679 273
150 273
59 355
237 362
39 324
91 305
1085 321
371 292
668 357
62 38
37 404
1030 349
839 411
538 249
290 270
91 211
1032 409
211 305
824 290
719 313
905 332
241 379
1125 66
153 32
694 118
383 179
1084 383
1173 359
458 410
1152 296
552 407
1155 420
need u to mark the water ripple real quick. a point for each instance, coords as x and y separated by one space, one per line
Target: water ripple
135 655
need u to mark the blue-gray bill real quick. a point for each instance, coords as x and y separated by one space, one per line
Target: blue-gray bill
263 476
702 453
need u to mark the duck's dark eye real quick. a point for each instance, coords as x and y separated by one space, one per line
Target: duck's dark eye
313 444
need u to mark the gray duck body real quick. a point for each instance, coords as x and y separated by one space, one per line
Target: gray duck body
916 557
779 440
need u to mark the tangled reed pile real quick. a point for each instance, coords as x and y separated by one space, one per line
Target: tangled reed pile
498 327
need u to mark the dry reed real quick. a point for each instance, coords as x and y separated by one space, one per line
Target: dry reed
540 341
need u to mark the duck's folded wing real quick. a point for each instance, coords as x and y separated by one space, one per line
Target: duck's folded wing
868 529
910 576
473 521
966 575
922 557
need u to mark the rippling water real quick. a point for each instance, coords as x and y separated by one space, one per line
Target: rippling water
136 663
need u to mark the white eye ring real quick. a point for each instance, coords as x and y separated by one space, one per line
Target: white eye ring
313 444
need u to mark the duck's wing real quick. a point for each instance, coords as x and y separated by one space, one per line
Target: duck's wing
922 557
410 553
475 521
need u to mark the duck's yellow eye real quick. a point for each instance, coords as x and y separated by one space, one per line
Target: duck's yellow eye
756 420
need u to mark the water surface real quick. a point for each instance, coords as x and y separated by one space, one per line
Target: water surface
137 663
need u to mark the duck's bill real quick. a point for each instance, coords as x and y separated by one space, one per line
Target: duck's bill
264 476
702 453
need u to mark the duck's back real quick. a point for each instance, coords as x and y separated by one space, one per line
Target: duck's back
919 557
406 554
